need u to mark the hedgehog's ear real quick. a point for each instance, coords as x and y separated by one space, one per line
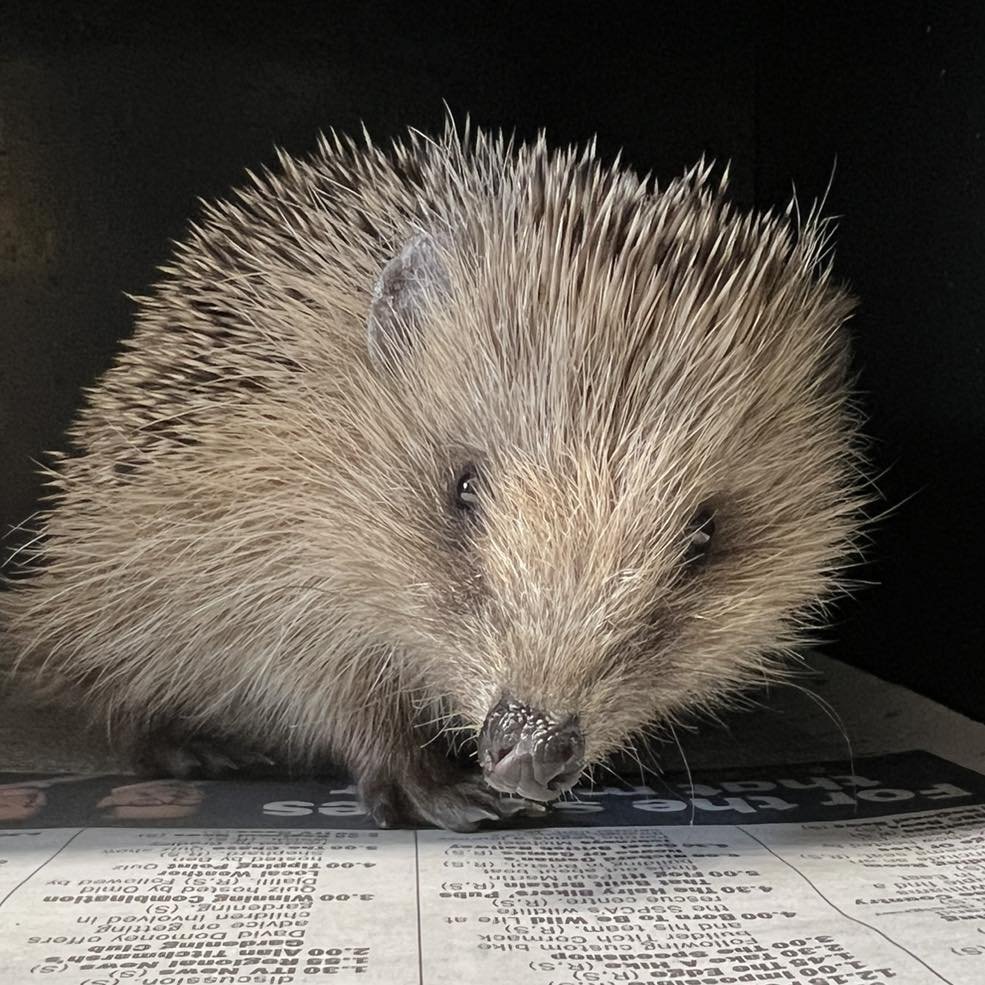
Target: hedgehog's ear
407 288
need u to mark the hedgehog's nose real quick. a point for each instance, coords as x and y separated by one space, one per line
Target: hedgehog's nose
523 751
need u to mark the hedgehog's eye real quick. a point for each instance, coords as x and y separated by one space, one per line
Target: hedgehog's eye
700 532
467 491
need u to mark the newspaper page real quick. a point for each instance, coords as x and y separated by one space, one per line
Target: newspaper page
817 874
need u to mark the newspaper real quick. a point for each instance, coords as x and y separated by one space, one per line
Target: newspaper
816 874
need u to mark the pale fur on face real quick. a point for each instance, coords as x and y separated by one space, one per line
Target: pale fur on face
260 523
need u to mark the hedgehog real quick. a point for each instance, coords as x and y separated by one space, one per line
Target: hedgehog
453 443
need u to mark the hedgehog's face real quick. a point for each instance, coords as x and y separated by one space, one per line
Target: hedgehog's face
576 619
645 512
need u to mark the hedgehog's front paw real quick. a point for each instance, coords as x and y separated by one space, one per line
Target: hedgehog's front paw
457 801
193 755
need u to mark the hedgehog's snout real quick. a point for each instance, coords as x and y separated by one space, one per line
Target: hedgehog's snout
528 753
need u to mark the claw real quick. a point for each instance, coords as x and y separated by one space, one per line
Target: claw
460 804
531 808
187 757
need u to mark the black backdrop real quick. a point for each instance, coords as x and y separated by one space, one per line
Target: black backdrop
115 116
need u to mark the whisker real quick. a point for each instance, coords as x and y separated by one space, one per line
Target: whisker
831 712
687 769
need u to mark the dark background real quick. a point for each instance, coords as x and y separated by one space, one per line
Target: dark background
116 116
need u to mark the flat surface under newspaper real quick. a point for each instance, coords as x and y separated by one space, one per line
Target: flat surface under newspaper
816 874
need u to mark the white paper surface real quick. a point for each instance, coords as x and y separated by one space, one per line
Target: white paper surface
898 898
